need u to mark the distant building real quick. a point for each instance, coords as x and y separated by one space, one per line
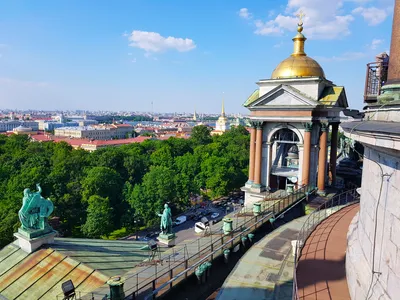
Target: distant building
49 126
222 124
238 121
10 125
99 132
195 116
23 130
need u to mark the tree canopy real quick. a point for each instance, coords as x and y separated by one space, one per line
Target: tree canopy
112 186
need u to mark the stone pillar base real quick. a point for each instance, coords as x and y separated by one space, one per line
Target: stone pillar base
249 184
390 92
29 245
252 195
167 239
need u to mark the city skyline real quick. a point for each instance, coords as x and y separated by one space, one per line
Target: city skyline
178 56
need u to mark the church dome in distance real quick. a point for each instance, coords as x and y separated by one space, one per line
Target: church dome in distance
298 64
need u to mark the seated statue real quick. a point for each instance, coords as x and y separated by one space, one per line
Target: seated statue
35 210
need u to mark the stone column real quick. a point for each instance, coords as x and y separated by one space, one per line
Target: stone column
252 153
391 90
269 164
394 60
257 162
305 174
323 141
333 156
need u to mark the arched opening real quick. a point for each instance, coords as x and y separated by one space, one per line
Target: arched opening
285 159
287 153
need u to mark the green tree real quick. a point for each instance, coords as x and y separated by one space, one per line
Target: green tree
157 188
106 183
99 217
162 157
201 135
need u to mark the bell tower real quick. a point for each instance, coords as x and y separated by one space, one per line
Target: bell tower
291 115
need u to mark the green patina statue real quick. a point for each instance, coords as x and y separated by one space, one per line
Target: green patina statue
34 211
166 220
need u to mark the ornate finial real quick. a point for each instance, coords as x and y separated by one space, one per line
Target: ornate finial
301 15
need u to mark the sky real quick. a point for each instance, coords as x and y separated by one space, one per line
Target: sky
179 55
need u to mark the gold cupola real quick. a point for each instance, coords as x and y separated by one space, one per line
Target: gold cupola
298 64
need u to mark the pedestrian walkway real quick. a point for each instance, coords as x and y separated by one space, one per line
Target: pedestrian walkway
321 272
266 270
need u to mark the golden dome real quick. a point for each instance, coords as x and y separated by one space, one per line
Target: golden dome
298 64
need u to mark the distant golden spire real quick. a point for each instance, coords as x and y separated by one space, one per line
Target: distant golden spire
223 107
299 39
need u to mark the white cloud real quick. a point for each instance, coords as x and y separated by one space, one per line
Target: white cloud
129 53
321 21
375 43
244 13
344 57
271 13
133 60
22 83
155 42
372 15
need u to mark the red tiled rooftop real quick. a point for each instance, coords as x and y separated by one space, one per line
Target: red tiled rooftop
79 142
321 272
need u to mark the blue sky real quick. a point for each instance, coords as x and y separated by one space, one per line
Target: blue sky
182 55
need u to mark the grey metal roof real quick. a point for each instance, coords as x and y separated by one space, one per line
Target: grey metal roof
381 127
110 257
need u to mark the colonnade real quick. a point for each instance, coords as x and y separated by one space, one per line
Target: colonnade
255 162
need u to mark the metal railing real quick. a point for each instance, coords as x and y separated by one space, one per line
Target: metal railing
376 76
83 295
173 268
314 219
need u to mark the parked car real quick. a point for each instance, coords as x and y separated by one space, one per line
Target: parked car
180 220
214 215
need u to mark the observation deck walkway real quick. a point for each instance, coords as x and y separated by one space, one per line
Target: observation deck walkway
321 272
176 264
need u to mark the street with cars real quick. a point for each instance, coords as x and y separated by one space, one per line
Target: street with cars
184 224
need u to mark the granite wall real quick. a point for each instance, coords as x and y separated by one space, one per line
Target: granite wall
368 252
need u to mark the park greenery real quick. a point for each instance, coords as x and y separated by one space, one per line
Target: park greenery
115 189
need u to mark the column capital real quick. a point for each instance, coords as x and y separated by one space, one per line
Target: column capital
324 126
308 126
259 125
256 124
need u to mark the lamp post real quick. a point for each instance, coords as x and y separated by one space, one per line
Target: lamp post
136 220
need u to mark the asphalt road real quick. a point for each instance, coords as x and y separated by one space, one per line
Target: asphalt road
186 231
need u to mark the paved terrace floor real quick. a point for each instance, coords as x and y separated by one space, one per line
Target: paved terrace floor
321 272
266 270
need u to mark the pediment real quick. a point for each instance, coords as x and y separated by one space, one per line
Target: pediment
283 96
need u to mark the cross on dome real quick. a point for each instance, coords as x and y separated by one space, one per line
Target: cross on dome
301 15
